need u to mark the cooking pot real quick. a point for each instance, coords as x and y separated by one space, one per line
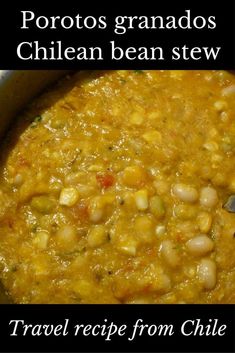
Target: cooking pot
17 88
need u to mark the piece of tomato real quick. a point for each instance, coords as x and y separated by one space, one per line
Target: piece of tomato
105 180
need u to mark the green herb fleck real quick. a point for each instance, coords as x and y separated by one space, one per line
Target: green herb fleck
36 120
139 71
177 247
34 228
14 268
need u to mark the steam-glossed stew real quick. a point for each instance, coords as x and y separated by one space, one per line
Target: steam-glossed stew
117 187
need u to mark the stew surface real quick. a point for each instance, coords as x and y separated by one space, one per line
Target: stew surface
117 187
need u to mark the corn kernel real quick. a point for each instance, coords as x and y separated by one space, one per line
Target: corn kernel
41 240
185 212
177 74
154 115
83 288
141 199
216 158
161 186
157 207
136 118
133 176
144 228
68 197
204 221
97 236
211 146
160 230
169 253
96 168
66 237
43 204
220 105
232 184
127 245
152 136
99 206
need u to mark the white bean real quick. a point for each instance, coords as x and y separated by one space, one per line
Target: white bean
185 192
207 273
200 245
229 90
18 179
208 197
